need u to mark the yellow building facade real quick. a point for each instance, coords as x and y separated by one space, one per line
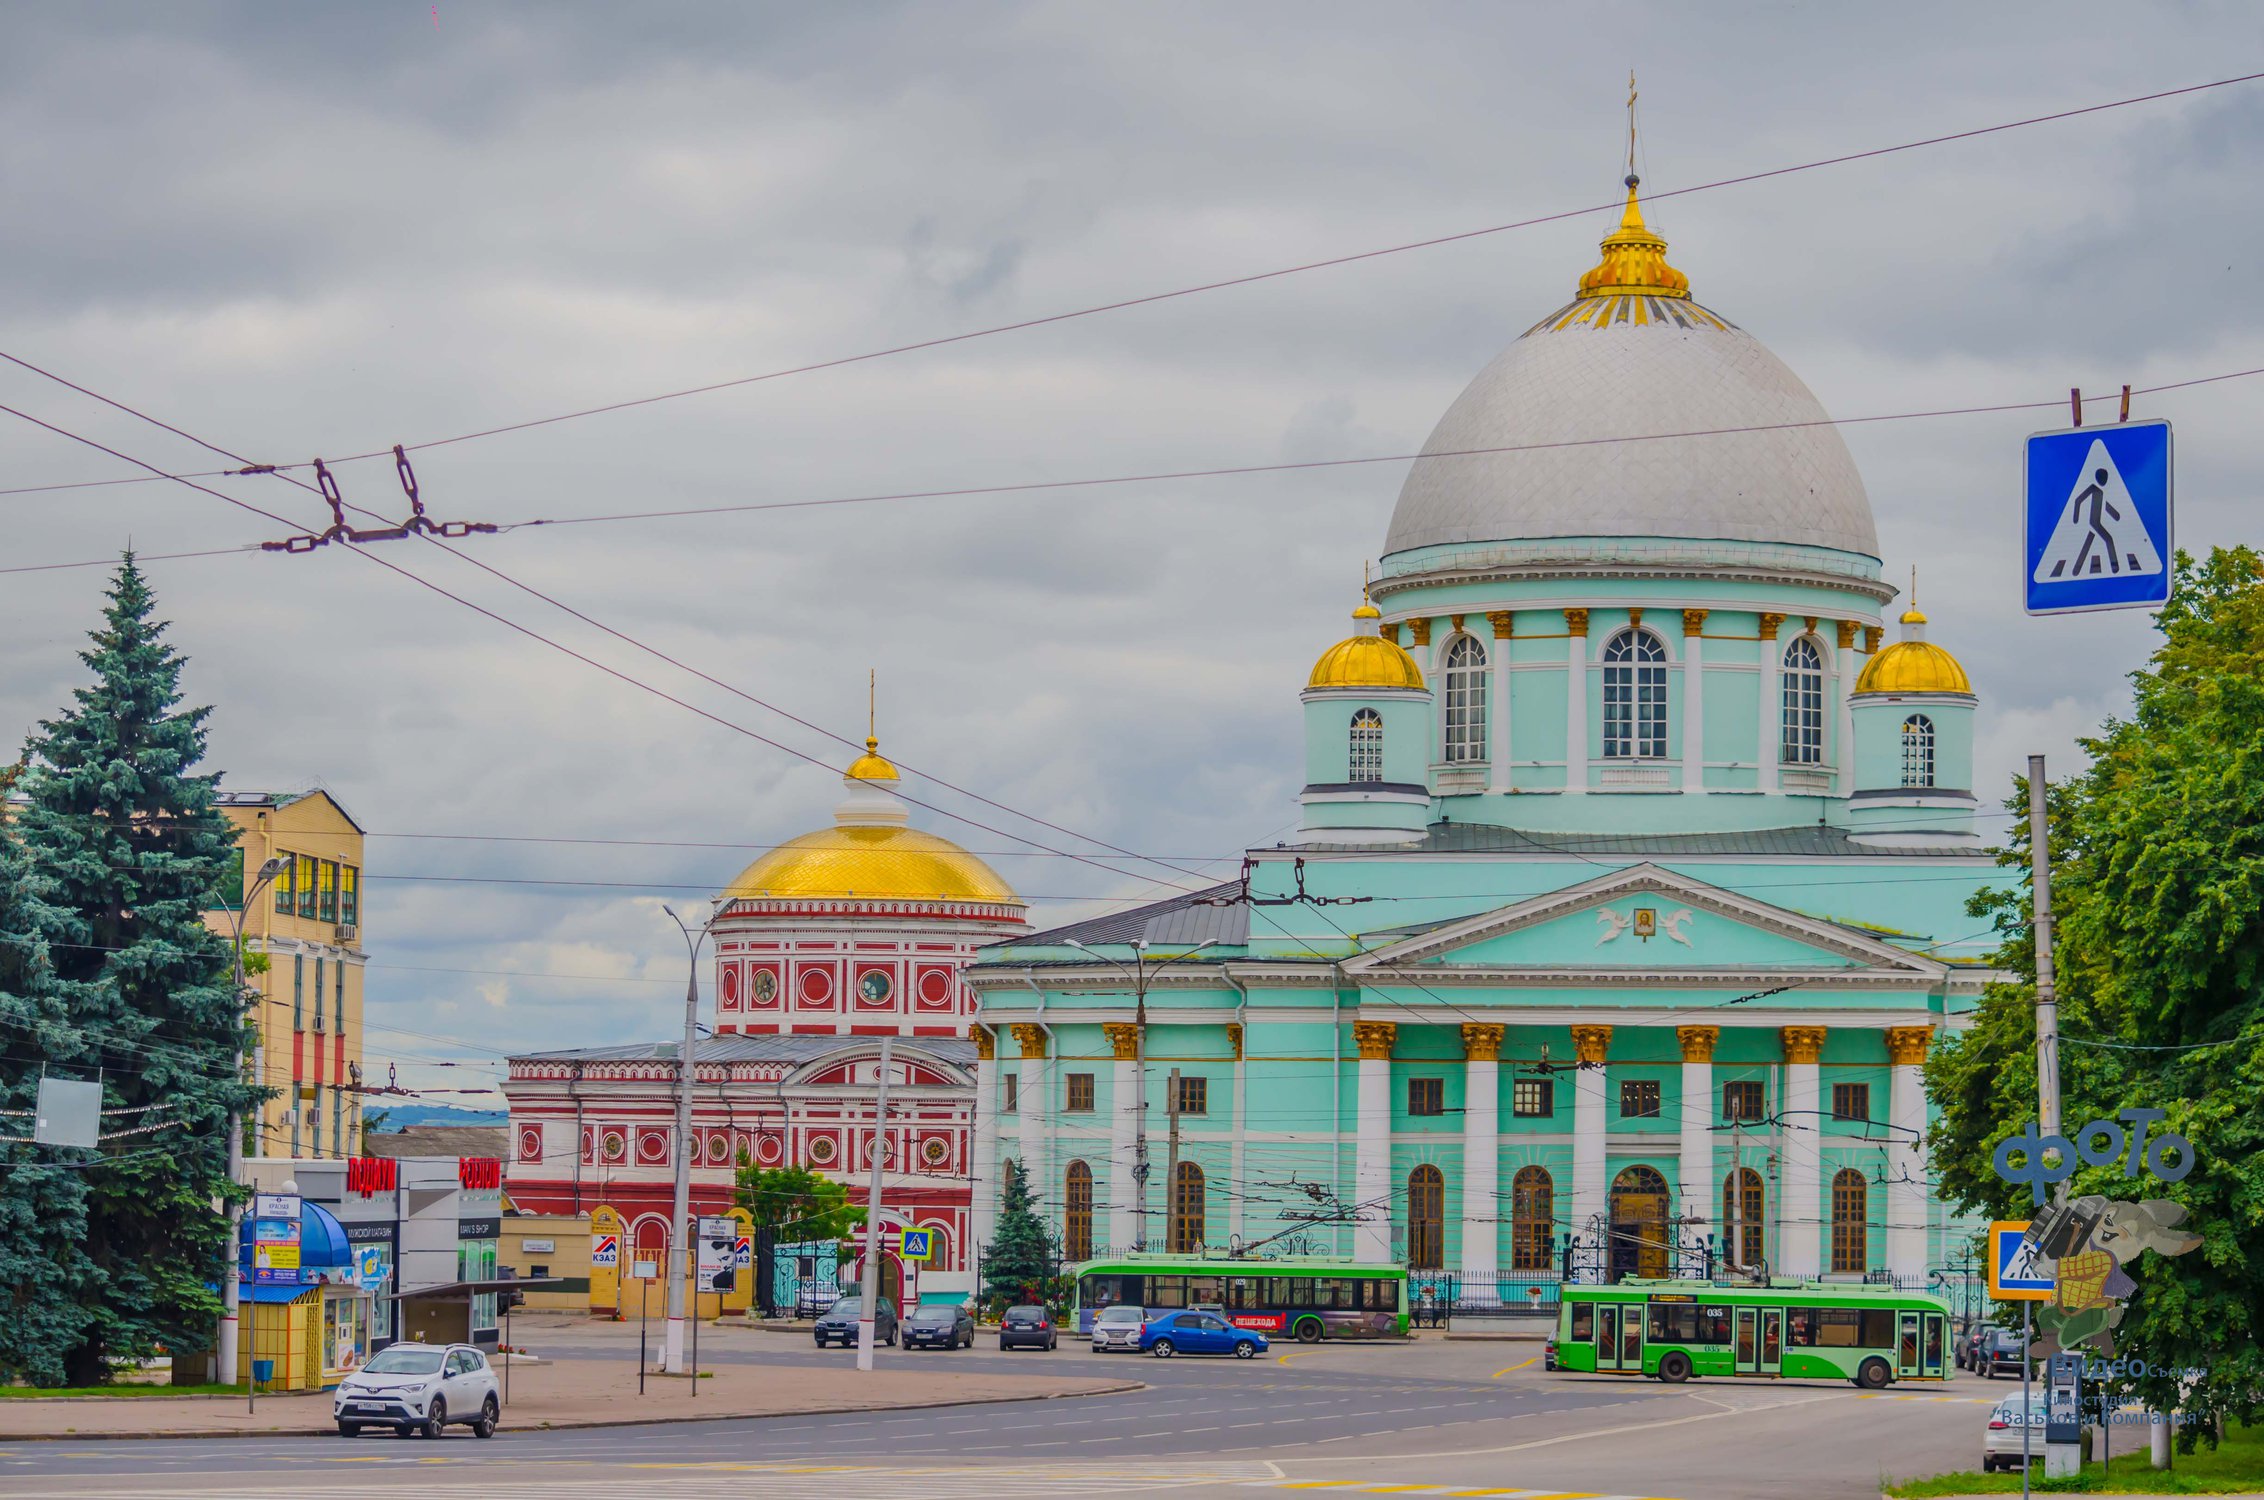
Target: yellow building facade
308 926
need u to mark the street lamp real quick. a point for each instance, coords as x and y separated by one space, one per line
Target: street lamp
672 1347
230 1297
1142 973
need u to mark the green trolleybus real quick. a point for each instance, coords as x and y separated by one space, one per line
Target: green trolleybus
1307 1300
1787 1330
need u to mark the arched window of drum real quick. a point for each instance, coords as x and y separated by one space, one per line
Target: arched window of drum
1426 1219
1465 700
1803 686
1851 1213
1532 1219
1079 1229
1918 751
1635 697
1187 1232
1742 1216
1367 745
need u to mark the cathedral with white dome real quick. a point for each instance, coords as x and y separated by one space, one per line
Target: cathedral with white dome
1629 889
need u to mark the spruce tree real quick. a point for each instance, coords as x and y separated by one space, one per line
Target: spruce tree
127 842
1018 1265
42 1193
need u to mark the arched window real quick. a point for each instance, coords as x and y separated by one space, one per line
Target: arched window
1851 1213
1743 1217
1465 700
1187 1209
1367 745
1532 1219
1635 697
1426 1219
1803 684
1077 1234
1918 751
939 1247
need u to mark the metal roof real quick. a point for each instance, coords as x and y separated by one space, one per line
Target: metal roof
755 1047
1806 840
1177 921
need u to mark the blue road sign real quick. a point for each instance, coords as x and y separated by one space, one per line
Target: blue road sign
2097 517
918 1244
2016 1274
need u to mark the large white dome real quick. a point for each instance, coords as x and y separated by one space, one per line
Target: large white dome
1634 357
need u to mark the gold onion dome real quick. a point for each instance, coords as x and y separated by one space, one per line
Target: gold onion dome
1913 664
1635 259
872 765
1366 659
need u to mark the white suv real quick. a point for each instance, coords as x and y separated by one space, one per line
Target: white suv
1118 1327
419 1388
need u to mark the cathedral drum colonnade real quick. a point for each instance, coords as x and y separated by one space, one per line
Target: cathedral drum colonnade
1630 883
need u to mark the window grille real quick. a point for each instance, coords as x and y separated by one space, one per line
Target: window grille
1918 751
1532 1199
1078 1235
1187 1227
1465 700
1426 1219
1639 1099
1851 1101
1850 1220
1635 697
1803 688
1194 1095
1743 1101
1742 1220
1080 1099
1426 1096
1367 746
1532 1098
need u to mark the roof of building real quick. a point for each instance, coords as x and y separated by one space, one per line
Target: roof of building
759 1046
437 1140
1801 841
1633 357
1913 664
285 799
1366 659
1180 921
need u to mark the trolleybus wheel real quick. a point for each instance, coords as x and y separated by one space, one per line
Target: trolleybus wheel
1308 1330
1674 1367
1873 1375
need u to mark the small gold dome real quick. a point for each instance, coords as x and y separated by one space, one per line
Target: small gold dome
1913 667
1366 659
1635 259
872 765
862 862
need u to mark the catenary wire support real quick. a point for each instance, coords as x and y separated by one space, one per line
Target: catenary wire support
418 524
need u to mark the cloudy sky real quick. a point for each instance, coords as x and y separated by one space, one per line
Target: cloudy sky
300 231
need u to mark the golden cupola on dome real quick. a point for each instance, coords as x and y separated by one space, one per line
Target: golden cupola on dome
1635 259
1913 664
872 765
1365 659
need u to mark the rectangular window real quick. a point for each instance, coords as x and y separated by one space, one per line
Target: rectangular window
338 996
338 1121
1009 1096
228 891
314 1122
304 878
1851 1101
286 888
1743 1101
1426 1096
1533 1098
1080 1094
1688 1323
1639 1099
318 994
298 1109
1878 1328
1839 1328
298 992
326 891
1194 1095
1583 1322
350 895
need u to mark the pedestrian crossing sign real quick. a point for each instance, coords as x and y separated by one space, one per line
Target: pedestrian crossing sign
2097 518
917 1244
2017 1273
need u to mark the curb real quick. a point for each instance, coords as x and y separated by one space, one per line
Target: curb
329 1429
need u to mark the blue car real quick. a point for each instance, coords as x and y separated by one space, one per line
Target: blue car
1198 1333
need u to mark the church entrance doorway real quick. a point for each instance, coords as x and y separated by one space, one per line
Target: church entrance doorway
1641 1238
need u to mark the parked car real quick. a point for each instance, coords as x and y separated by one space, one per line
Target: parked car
838 1324
419 1388
1118 1327
939 1325
1548 1355
2002 1352
2001 1444
1969 1347
1199 1333
1027 1325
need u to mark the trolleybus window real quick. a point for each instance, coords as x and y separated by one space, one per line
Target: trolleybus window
1688 1323
1583 1322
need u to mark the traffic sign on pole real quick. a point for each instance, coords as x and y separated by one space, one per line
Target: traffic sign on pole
2097 513
918 1244
2017 1272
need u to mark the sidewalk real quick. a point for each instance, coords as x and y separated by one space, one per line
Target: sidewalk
570 1393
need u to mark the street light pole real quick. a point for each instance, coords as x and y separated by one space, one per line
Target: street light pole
231 1299
680 1238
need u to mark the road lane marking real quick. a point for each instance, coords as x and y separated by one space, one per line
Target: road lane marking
1498 1374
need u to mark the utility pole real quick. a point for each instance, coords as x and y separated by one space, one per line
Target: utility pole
680 1236
225 1354
1171 1164
868 1307
2047 1004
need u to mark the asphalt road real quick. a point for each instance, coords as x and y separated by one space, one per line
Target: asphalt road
1353 1419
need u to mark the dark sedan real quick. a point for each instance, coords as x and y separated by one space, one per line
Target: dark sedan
838 1325
1027 1327
939 1325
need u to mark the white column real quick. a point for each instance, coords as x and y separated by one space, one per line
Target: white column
1908 1206
1847 665
1576 702
1481 1154
1497 728
1801 1210
1589 1203
983 1164
1030 1107
1235 1147
1693 700
1123 1130
1772 701
1697 1167
1371 1156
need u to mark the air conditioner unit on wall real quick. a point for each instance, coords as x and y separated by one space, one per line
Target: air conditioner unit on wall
348 932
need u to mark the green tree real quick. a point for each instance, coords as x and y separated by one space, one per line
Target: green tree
44 1270
795 1203
2158 905
1019 1264
125 837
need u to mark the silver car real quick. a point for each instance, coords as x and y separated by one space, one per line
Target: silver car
2001 1446
1118 1327
419 1388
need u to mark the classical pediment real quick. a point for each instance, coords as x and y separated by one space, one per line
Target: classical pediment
1640 918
